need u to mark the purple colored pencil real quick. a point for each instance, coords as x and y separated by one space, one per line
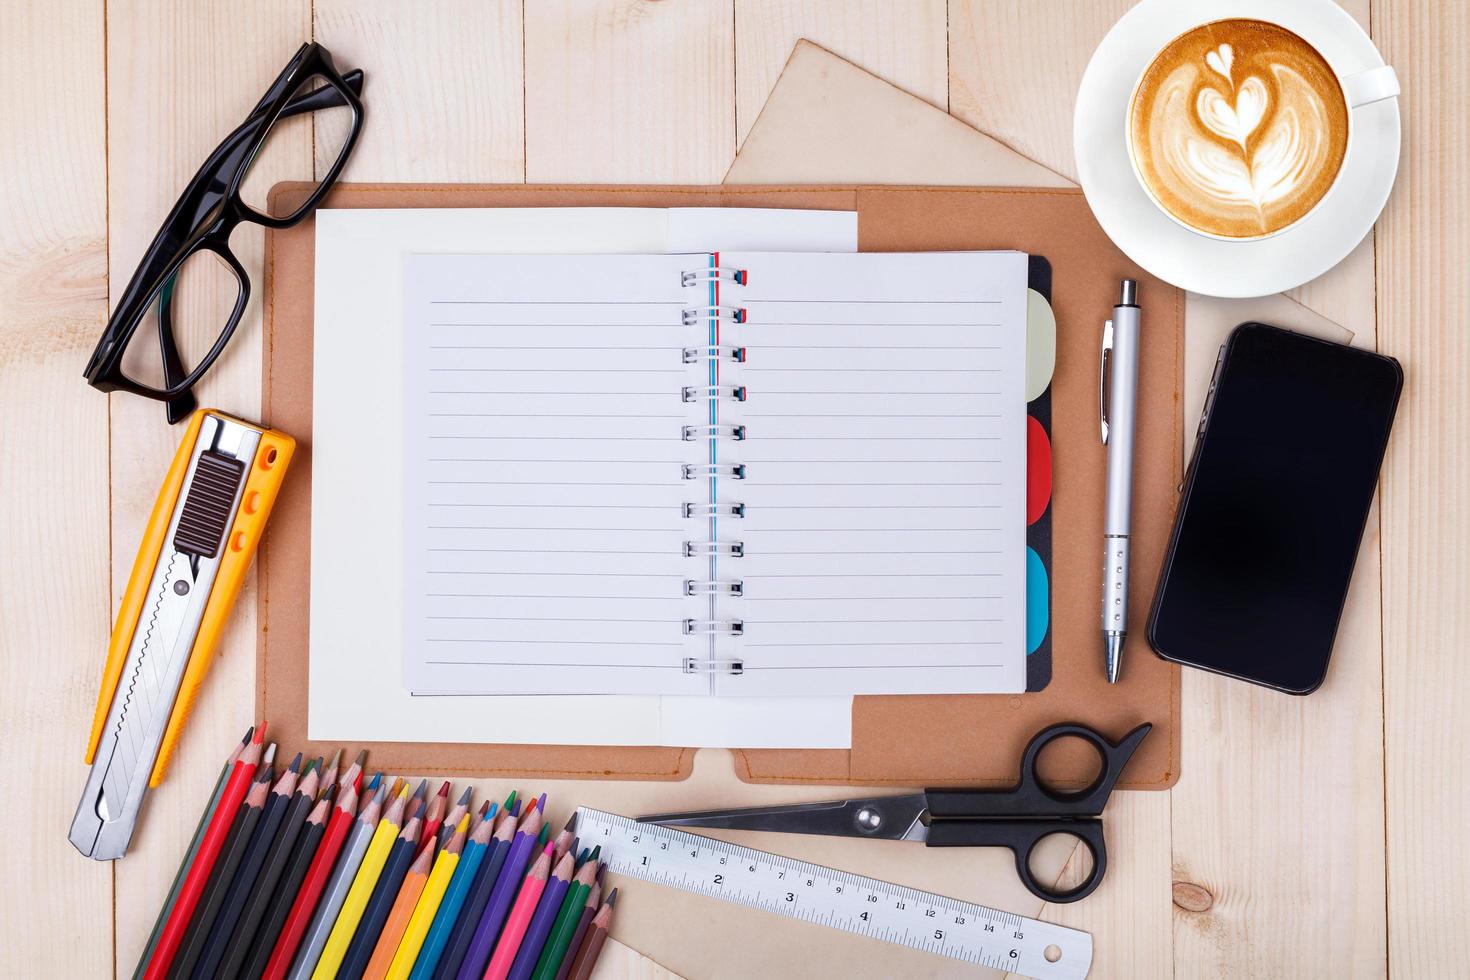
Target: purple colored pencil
482 944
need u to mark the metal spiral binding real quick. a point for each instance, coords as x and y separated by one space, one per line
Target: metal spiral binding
693 665
693 432
693 277
734 549
714 627
693 393
714 510
694 586
693 471
694 314
693 355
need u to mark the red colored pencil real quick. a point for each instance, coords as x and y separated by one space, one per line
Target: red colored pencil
316 879
519 919
214 838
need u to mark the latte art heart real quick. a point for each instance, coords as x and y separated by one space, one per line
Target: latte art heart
1238 128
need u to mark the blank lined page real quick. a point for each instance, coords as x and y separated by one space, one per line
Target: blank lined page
884 454
543 497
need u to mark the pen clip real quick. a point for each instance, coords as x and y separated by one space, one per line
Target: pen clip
1104 359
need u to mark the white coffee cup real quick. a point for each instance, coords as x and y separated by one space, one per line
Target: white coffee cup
1359 89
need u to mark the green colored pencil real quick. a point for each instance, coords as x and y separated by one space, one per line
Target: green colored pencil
173 891
566 921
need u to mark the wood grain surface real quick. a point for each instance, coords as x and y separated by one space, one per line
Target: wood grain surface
1308 837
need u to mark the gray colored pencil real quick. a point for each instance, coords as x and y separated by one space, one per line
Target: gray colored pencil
336 891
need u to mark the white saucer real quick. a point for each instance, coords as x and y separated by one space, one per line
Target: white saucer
1208 265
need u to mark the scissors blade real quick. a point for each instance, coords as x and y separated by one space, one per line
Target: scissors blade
880 817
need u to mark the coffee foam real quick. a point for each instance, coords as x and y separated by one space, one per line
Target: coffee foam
1238 128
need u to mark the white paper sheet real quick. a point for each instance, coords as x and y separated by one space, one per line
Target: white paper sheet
356 689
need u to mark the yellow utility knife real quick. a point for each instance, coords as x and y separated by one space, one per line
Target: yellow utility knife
199 542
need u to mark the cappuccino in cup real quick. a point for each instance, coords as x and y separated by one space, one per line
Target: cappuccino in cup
1238 128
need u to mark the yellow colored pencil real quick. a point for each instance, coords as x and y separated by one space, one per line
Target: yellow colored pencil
428 904
403 906
361 890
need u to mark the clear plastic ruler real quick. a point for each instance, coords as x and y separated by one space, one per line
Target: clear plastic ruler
853 903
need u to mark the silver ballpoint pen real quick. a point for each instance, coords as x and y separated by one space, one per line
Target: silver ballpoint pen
1117 398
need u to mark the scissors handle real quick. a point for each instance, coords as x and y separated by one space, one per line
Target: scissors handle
1031 797
1022 836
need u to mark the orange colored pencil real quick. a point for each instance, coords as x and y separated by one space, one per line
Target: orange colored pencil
398 916
519 919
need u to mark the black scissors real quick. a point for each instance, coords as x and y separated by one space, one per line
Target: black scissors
1017 818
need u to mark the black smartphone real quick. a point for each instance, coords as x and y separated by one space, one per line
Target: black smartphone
1274 503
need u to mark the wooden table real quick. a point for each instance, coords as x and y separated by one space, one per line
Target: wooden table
1323 836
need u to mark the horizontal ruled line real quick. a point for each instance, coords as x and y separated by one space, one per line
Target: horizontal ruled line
847 370
543 415
753 553
546 663
906 665
576 506
537 595
566 302
522 527
751 578
825 622
843 598
567 574
549 551
555 619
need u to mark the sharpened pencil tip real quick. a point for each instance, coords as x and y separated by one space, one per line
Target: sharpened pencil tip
464 798
295 765
260 733
422 791
362 758
270 755
375 782
571 823
335 760
510 800
249 733
444 790
596 853
612 898
541 803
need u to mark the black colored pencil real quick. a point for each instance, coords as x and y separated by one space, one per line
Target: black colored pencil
264 942
236 843
237 948
245 876
380 903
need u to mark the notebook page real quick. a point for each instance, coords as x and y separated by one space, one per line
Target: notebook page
543 451
884 453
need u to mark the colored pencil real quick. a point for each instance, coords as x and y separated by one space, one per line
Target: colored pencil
187 900
194 842
480 891
277 857
589 909
548 908
302 858
402 911
380 901
591 947
555 947
565 839
482 944
343 873
361 890
267 829
476 847
451 821
428 903
224 871
329 772
434 819
527 902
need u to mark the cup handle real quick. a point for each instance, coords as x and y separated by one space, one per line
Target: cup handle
1373 85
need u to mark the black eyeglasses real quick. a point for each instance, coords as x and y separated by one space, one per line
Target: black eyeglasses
190 287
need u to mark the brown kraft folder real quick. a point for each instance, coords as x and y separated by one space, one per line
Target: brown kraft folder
897 740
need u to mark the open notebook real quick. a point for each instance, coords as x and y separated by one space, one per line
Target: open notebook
736 474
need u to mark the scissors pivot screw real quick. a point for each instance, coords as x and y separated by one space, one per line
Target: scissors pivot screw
869 821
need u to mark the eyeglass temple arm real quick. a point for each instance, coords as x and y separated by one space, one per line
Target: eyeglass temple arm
325 97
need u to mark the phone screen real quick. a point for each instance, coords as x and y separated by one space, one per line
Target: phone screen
1274 507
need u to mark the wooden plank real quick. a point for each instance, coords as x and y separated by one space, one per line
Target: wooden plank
53 487
627 91
902 43
442 92
181 76
1423 251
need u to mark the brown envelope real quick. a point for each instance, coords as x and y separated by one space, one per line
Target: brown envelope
907 741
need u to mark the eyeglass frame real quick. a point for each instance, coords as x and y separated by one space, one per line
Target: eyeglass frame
205 215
